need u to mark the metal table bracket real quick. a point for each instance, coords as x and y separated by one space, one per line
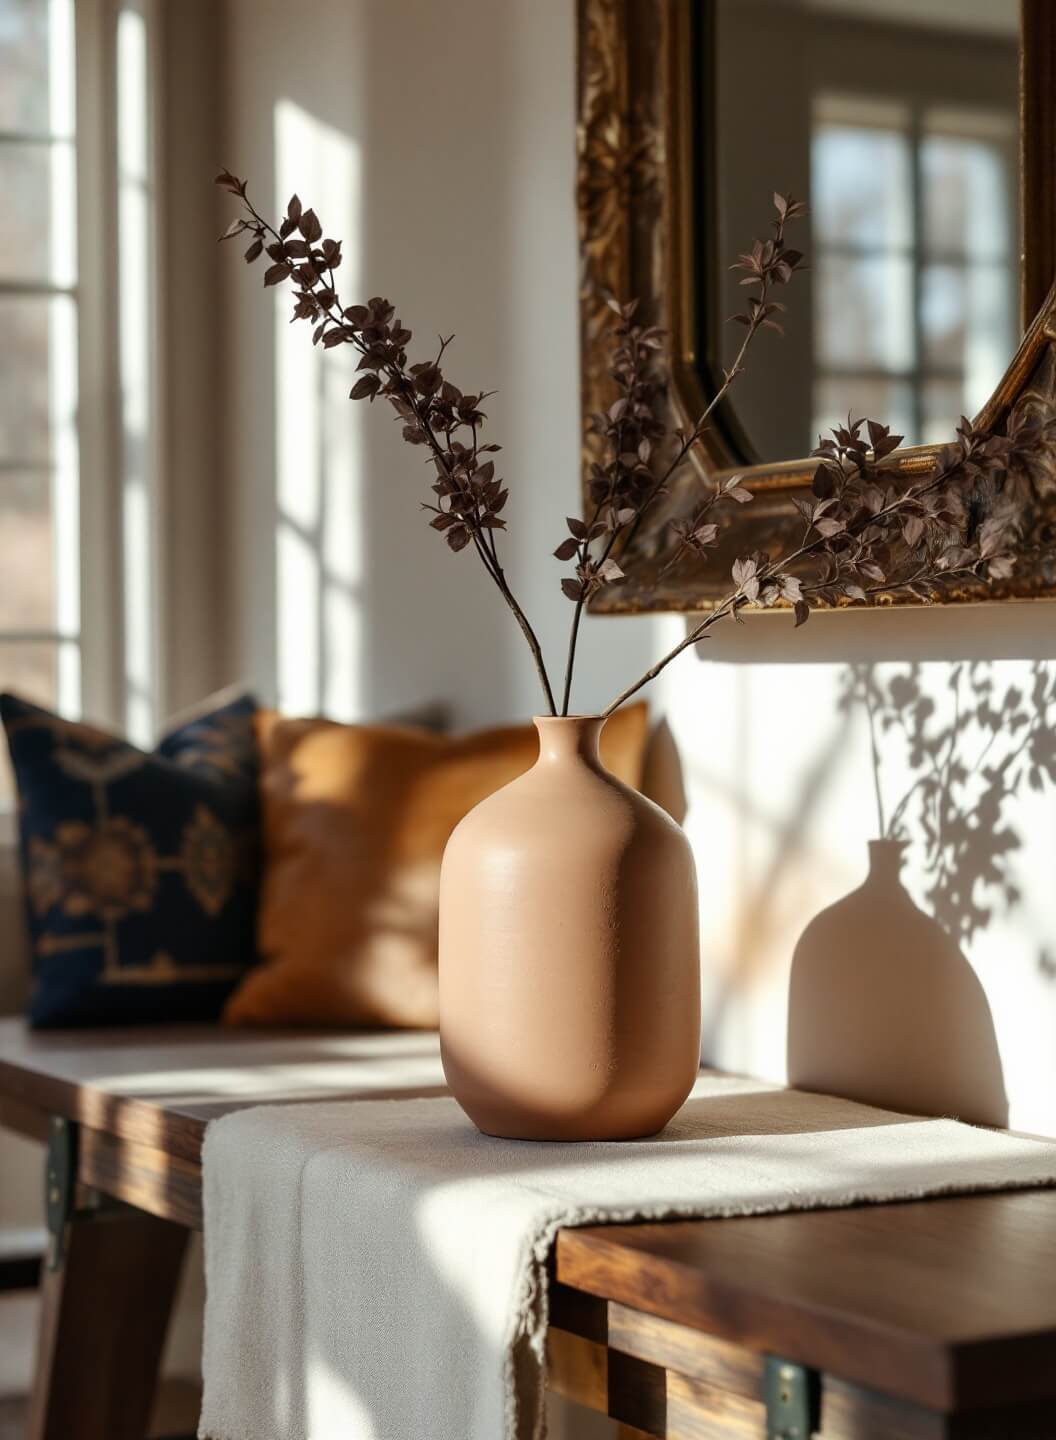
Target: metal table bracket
65 1199
60 1185
793 1400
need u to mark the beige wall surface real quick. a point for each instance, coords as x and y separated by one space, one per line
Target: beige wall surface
438 140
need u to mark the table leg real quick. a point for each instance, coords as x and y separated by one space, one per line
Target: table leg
104 1312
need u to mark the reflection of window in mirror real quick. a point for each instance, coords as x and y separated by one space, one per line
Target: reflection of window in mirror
897 121
915 292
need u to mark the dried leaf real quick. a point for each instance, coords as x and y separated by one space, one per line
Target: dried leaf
366 386
824 482
231 182
309 226
829 527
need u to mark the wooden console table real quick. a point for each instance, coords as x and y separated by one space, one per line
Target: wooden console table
929 1320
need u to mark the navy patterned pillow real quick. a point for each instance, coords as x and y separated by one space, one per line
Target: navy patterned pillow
140 869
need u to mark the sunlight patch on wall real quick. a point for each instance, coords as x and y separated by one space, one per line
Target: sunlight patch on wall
135 337
319 443
781 781
62 351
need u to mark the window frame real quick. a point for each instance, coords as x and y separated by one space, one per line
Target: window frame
101 633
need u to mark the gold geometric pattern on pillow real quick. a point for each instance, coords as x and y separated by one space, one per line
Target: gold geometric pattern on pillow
208 858
110 869
98 769
138 866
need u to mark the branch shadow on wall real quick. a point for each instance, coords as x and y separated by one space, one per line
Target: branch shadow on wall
883 1005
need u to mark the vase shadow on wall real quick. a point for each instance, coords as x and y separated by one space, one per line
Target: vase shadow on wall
884 1008
965 761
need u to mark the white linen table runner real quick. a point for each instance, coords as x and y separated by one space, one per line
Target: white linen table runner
376 1270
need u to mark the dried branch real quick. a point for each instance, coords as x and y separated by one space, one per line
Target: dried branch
865 533
865 537
469 495
638 469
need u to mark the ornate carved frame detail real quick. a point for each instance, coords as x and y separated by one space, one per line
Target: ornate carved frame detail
634 185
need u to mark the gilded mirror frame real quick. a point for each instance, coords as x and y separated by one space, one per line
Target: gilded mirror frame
635 206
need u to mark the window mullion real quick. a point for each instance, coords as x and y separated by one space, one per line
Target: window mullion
918 262
36 288
100 528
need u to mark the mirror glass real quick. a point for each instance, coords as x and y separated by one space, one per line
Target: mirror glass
897 121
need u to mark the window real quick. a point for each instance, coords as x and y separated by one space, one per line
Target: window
40 651
78 435
915 260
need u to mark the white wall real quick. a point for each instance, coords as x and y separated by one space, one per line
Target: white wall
456 193
783 804
448 134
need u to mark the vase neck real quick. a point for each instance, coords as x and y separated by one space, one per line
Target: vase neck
569 737
885 861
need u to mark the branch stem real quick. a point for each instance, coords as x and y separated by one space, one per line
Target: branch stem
736 600
570 664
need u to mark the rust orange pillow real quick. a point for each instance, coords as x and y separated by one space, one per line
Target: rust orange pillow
355 819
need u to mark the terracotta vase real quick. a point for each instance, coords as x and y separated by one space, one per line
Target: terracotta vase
885 1009
569 953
